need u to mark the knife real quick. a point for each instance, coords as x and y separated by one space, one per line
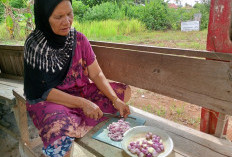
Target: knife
110 115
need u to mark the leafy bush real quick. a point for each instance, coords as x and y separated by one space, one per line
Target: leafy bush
104 11
204 10
155 15
18 3
1 12
133 11
92 3
79 9
179 15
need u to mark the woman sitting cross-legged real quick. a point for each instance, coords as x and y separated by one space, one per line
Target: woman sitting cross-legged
58 63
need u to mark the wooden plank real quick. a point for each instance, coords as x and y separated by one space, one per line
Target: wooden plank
16 53
19 66
8 66
23 123
18 93
221 122
3 64
165 50
11 47
13 66
202 82
187 141
10 76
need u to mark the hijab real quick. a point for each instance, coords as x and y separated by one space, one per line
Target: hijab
47 56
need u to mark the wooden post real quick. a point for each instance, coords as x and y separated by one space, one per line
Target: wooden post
218 40
221 122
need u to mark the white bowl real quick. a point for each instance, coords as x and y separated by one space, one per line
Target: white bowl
139 132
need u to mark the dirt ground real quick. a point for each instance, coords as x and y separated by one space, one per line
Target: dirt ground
169 108
175 110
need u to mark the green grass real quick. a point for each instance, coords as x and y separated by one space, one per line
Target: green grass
147 108
127 31
110 29
180 110
194 121
161 111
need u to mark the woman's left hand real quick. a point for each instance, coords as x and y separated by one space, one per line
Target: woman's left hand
122 108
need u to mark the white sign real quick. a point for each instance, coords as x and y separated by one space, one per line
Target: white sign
190 26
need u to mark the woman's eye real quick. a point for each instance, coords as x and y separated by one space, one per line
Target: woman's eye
58 17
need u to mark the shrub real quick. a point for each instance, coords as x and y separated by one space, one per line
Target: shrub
133 11
179 15
104 11
204 10
155 15
18 3
92 3
79 9
1 12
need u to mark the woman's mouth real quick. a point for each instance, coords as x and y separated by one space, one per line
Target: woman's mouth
65 29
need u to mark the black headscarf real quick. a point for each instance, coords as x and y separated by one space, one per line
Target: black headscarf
47 56
42 11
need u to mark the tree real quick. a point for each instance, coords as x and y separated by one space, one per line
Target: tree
14 15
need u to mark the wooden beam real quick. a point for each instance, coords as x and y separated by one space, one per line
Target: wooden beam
165 50
206 83
11 47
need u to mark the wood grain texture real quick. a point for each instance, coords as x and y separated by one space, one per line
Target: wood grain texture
206 83
10 62
23 122
166 50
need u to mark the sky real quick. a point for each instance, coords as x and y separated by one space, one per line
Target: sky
191 2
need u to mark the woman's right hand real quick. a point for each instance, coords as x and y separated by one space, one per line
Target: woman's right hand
91 110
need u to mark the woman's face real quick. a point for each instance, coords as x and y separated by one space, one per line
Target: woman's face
62 18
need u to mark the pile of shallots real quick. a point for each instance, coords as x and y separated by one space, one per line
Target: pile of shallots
150 146
117 129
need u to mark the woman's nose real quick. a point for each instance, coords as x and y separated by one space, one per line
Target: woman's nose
66 20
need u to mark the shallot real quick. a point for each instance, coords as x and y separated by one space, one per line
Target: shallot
150 146
117 129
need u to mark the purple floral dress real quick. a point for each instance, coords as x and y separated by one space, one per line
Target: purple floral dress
59 125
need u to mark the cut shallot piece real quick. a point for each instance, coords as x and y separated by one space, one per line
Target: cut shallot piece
117 129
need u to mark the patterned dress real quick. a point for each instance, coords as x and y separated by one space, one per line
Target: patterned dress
59 125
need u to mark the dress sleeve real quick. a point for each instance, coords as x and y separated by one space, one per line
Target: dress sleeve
89 54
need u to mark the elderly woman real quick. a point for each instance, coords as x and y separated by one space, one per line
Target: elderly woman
58 63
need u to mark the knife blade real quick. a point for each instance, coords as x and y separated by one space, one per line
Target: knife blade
111 115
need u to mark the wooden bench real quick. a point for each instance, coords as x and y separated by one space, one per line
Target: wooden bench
187 141
181 74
